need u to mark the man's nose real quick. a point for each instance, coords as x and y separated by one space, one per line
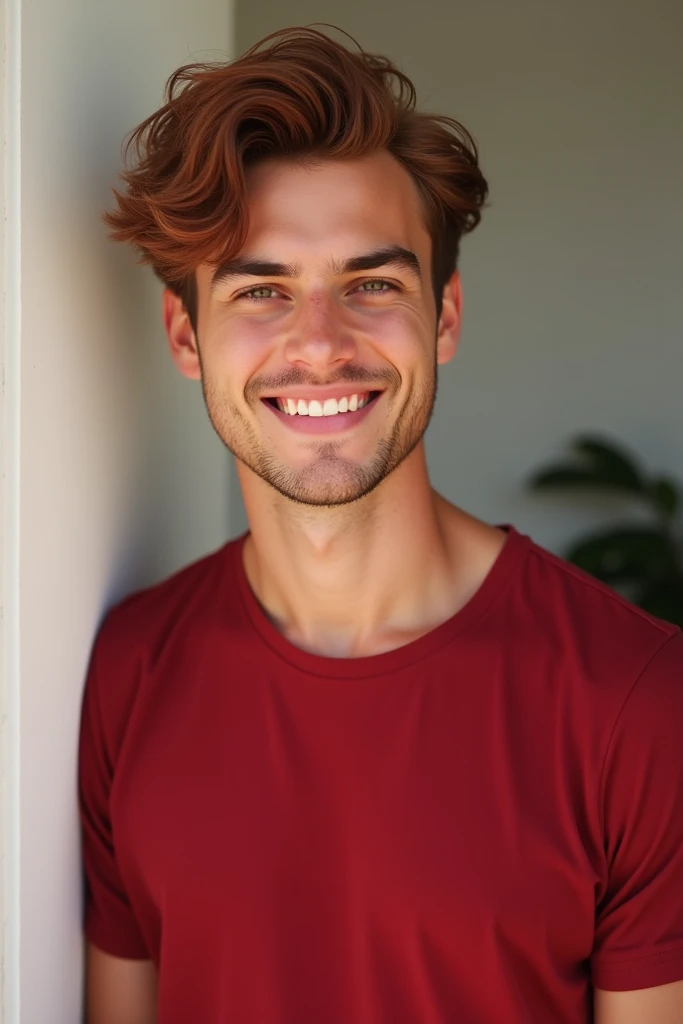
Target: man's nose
319 337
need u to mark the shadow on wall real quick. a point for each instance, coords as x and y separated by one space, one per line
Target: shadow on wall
149 444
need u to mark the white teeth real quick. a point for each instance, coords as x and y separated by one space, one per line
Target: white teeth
330 407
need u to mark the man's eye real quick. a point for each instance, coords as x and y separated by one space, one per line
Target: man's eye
376 285
255 294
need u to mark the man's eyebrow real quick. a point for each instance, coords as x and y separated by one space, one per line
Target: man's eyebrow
392 255
388 256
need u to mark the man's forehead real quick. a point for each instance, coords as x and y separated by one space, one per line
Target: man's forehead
371 192
333 207
379 162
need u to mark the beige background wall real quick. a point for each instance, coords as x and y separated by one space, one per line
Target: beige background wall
112 474
573 295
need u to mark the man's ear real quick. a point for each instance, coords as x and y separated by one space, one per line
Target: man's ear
181 337
448 334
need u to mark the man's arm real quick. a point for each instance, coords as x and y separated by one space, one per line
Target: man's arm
636 964
120 985
119 991
663 1004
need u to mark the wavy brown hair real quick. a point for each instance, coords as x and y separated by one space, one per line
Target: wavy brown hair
297 93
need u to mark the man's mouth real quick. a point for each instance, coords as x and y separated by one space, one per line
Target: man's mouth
295 406
326 415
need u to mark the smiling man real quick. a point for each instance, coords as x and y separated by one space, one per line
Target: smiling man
375 761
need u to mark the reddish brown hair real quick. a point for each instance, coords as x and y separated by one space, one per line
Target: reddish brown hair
302 94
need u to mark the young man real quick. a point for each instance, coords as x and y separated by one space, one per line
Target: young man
375 761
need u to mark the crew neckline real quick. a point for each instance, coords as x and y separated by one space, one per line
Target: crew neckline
494 582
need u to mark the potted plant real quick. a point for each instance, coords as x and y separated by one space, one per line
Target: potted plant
641 560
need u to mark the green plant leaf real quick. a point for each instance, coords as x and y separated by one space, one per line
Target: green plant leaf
599 466
611 463
666 496
570 477
640 554
665 600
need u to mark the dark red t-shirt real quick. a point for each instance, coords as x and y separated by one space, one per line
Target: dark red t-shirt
475 827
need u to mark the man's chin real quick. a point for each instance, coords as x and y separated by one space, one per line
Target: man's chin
324 486
323 496
324 480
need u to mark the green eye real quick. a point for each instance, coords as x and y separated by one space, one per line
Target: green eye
376 282
253 292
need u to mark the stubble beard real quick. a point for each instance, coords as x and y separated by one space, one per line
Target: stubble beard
330 480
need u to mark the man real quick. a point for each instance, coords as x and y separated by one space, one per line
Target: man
375 761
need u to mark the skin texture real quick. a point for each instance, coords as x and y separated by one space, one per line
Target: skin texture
351 551
119 991
663 1005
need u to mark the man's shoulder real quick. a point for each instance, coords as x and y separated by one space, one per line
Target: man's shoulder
587 621
153 629
148 617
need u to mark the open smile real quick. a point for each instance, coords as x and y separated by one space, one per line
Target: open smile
329 417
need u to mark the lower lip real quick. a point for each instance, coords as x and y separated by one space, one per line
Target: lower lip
324 424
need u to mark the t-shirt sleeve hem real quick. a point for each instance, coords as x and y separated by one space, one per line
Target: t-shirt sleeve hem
126 947
643 972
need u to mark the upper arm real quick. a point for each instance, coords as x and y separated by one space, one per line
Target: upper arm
638 941
663 1004
110 920
119 991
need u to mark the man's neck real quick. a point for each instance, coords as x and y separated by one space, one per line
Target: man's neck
366 577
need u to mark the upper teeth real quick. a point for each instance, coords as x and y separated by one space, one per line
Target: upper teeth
330 407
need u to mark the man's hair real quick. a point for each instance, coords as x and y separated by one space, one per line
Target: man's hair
298 94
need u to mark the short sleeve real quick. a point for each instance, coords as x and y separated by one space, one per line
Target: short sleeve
109 919
639 920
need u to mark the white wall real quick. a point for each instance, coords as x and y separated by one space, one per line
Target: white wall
572 282
121 477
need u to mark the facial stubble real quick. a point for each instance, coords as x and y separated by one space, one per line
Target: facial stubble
330 480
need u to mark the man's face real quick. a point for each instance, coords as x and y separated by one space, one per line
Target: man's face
315 327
